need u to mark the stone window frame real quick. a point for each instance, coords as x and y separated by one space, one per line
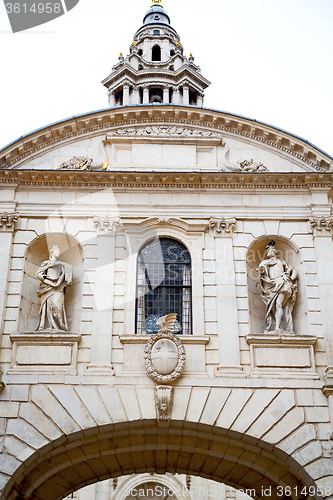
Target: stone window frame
190 235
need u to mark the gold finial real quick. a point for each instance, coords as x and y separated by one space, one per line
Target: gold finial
156 2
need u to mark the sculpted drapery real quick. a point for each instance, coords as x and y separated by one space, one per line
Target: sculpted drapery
278 283
55 276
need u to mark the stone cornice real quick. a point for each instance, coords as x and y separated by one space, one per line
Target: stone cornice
101 122
177 180
154 71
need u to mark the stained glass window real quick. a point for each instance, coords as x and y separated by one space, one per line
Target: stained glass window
163 286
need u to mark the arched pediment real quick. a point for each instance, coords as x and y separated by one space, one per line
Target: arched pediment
163 126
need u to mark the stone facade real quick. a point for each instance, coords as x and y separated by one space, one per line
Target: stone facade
249 409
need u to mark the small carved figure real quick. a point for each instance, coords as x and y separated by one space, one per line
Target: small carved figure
55 276
167 323
278 282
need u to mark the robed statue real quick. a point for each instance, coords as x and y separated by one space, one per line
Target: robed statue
278 283
55 276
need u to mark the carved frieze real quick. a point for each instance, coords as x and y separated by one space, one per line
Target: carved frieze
106 225
164 130
321 226
163 402
7 221
222 226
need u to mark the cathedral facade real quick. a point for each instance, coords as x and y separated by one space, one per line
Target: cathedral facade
166 296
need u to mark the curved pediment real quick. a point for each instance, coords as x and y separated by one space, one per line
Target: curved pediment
163 137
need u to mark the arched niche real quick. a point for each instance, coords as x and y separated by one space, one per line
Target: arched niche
37 252
287 251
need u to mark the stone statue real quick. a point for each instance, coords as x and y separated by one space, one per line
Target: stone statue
278 282
55 276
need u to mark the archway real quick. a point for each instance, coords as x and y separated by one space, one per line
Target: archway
95 454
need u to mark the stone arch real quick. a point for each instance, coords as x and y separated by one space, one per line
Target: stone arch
85 457
36 253
289 252
156 53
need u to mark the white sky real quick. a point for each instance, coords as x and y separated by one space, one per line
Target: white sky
270 60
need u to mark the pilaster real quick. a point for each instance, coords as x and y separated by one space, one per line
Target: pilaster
226 299
102 317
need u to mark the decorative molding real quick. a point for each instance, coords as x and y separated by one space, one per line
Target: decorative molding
321 225
7 221
195 180
44 352
222 226
282 355
97 123
152 222
106 225
163 402
152 372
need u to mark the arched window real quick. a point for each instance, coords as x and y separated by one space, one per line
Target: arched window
163 285
156 53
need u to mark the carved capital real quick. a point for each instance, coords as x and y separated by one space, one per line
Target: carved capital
7 221
321 226
222 226
106 225
163 401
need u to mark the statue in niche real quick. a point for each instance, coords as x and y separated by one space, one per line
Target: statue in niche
55 276
278 283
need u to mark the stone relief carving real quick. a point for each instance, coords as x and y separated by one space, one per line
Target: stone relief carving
321 225
242 166
278 283
7 221
164 353
106 225
164 220
55 276
77 163
164 130
222 226
163 402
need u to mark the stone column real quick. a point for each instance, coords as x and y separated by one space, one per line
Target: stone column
186 94
166 98
200 100
146 94
126 94
102 317
136 95
175 95
226 299
112 99
7 225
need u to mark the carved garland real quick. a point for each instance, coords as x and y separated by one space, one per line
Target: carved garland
163 379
